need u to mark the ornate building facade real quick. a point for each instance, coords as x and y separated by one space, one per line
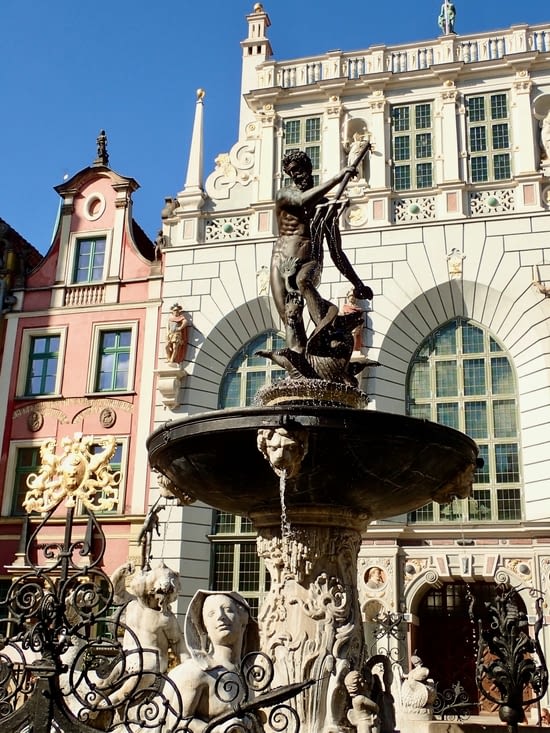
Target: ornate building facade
449 221
76 363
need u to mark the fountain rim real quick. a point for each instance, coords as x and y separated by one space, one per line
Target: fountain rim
294 416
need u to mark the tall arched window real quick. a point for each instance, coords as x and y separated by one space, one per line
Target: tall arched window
235 563
462 377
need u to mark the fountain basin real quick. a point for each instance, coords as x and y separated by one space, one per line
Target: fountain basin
373 463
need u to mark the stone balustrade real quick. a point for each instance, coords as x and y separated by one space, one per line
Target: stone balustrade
404 58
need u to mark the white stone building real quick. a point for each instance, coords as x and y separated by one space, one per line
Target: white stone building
449 223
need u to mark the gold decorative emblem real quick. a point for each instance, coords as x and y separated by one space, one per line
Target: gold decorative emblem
80 474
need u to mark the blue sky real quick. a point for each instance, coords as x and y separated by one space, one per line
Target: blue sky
70 68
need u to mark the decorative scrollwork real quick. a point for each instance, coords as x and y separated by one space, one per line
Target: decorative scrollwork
453 703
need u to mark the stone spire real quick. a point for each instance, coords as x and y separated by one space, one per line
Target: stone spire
192 197
194 179
102 154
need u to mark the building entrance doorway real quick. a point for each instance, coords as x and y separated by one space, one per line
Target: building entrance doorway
446 639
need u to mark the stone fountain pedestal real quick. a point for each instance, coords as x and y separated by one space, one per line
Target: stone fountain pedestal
330 471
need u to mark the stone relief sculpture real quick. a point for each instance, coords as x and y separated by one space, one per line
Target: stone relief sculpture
363 712
418 692
219 632
283 449
152 630
176 335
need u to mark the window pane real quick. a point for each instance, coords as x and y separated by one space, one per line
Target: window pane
502 166
424 175
480 170
502 379
424 514
422 412
504 418
230 391
402 147
249 568
401 117
89 260
314 152
446 379
292 132
402 177
478 139
508 504
223 566
420 380
475 416
423 116
445 340
424 145
482 474
474 377
507 463
500 136
225 523
479 504
114 361
476 109
499 106
447 414
43 364
472 339
313 129
27 462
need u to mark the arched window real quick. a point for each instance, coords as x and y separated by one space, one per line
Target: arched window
462 377
235 563
246 372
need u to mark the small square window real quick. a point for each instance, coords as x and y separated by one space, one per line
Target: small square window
113 361
89 260
42 365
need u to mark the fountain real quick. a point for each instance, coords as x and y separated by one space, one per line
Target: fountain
332 465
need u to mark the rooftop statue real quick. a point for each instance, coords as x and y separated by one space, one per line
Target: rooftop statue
447 15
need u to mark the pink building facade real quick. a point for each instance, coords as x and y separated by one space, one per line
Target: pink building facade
79 355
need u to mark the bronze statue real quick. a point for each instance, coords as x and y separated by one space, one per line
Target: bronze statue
306 219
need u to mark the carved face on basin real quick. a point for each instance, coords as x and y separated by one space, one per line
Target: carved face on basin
284 449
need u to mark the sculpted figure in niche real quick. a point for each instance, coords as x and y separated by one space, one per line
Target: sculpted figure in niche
219 632
363 712
176 336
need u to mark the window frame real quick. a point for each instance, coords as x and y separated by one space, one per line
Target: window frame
486 129
98 329
501 492
413 161
303 144
11 474
75 239
27 336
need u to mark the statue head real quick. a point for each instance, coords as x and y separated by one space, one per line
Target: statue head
284 449
298 166
219 618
